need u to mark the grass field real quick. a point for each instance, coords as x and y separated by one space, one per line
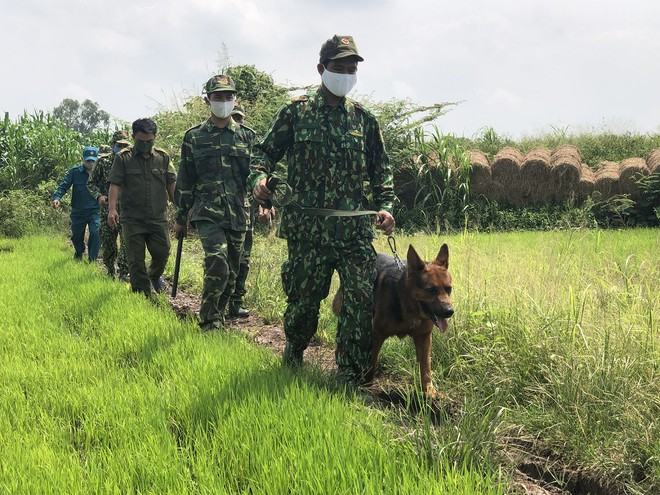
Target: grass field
104 392
554 345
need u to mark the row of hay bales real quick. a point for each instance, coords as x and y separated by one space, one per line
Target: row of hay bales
542 176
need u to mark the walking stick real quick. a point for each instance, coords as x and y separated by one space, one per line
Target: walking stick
177 265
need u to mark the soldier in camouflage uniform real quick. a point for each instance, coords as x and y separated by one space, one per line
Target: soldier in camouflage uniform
333 146
211 187
235 309
144 178
98 186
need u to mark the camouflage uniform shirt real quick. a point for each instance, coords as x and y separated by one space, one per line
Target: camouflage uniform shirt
98 183
211 184
331 152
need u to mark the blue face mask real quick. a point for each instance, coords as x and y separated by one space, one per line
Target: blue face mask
116 148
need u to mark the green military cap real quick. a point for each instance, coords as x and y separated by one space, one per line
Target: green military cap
339 47
219 83
118 137
238 110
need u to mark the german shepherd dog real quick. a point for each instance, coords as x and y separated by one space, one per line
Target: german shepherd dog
410 301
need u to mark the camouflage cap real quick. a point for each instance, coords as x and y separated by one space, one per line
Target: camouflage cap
219 83
339 47
119 136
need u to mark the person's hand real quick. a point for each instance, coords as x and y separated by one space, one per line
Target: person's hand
265 215
261 192
103 201
385 222
113 219
180 230
55 203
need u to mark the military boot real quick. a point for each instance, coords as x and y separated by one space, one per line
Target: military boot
235 311
293 358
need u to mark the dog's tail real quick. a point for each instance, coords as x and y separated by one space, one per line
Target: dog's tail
337 302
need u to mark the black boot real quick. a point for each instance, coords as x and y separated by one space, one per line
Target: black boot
235 310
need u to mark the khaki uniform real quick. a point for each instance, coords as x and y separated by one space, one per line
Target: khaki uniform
143 214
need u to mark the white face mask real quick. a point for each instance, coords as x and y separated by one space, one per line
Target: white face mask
222 109
338 84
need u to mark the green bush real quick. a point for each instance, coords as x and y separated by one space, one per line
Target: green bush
28 212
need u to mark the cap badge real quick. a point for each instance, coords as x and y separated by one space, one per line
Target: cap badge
345 41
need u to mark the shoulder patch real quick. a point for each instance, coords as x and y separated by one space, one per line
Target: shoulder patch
299 99
160 150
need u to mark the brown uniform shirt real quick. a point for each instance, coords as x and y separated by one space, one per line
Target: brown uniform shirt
144 181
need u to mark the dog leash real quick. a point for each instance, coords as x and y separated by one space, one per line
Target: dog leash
391 241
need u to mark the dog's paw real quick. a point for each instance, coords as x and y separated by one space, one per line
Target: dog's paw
431 393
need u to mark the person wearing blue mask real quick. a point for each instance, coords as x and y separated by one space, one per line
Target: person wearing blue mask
84 208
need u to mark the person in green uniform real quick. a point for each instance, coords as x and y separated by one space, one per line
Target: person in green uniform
333 146
143 177
98 186
211 189
266 215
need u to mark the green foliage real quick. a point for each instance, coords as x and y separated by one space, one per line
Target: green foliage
103 392
28 212
433 184
649 203
83 117
259 95
489 216
35 148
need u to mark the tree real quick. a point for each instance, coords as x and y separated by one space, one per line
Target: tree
84 117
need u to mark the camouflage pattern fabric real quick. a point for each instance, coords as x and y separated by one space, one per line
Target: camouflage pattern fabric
222 254
111 253
211 185
306 277
244 264
331 152
98 185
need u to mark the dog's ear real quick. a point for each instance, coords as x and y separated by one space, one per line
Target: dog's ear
414 261
442 259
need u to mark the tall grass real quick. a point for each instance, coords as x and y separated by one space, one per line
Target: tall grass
102 392
555 343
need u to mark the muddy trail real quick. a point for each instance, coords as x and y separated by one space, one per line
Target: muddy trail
536 471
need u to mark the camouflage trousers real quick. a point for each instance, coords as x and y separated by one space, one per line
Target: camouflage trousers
109 247
306 277
243 268
222 254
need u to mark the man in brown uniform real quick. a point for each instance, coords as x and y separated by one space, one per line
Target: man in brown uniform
144 178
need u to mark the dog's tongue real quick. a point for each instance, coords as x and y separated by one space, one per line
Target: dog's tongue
441 324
